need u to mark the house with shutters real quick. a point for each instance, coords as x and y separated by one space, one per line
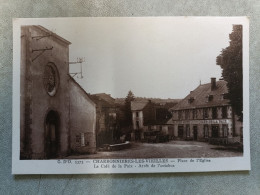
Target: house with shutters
205 114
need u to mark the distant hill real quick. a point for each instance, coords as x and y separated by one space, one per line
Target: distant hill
160 101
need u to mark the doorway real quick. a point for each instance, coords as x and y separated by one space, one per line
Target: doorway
180 131
51 134
215 130
137 135
195 132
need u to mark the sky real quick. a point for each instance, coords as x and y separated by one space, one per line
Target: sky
155 57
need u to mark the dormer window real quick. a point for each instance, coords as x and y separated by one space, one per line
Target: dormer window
191 99
209 98
224 96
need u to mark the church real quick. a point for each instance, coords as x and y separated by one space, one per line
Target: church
57 116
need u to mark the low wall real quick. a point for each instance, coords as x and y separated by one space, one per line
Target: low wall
121 146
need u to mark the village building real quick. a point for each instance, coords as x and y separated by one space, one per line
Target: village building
57 117
150 115
107 124
206 115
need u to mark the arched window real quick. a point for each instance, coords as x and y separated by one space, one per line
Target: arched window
51 79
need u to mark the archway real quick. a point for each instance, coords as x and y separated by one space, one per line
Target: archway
52 137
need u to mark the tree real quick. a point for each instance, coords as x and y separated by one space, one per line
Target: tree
230 60
127 108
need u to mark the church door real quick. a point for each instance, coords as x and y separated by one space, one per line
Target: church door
52 135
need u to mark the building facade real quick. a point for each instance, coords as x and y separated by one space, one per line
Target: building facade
107 124
206 115
137 109
148 116
54 110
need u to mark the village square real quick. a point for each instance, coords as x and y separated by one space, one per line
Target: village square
60 119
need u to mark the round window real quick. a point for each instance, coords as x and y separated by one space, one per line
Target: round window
50 79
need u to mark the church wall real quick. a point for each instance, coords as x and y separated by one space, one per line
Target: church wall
82 121
54 122
37 101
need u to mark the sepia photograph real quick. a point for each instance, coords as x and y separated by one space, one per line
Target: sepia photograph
131 94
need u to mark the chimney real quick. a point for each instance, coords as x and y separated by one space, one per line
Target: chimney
213 84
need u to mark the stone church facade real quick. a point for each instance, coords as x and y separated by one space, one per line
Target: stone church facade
57 116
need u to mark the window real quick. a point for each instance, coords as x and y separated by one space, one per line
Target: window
50 79
193 114
210 98
206 131
214 113
225 130
112 117
224 112
205 113
180 131
191 99
82 139
225 96
187 130
179 114
196 113
186 114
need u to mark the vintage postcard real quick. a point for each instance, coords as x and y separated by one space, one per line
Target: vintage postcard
130 95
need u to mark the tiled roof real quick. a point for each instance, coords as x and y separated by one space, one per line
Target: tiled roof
138 105
106 97
103 99
120 101
199 97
